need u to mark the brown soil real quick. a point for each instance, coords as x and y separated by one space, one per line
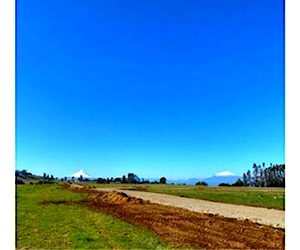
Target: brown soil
183 228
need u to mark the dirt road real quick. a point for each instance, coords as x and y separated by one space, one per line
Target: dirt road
264 216
182 228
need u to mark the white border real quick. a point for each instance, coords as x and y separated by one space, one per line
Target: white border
7 122
292 55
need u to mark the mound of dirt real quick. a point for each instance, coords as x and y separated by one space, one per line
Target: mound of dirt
115 197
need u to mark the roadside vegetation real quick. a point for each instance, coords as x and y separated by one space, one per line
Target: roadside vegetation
249 196
71 225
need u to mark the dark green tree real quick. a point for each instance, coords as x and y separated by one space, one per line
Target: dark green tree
124 180
130 178
163 180
249 178
238 183
245 179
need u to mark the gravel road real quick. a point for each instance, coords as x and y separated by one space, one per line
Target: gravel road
265 216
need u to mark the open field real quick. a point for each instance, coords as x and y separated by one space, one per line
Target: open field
73 226
76 217
249 196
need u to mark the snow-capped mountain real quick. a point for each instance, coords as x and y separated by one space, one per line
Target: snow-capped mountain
81 173
222 177
215 180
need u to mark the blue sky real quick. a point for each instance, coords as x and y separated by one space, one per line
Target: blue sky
159 88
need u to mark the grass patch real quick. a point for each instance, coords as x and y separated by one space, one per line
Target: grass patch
258 197
60 226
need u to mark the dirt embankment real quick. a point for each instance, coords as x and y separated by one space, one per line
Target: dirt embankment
183 228
271 217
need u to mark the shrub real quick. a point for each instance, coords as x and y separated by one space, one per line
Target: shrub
224 185
201 183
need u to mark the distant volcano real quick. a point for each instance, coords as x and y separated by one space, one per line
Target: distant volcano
222 177
81 173
215 180
225 173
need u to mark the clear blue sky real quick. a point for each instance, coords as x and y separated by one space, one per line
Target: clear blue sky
159 88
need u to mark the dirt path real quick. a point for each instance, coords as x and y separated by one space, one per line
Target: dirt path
264 216
181 228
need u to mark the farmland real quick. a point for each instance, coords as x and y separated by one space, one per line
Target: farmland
53 216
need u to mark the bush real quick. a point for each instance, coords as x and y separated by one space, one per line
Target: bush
201 183
224 185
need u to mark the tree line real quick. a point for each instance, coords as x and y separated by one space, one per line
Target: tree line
131 178
261 176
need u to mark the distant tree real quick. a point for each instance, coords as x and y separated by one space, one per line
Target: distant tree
44 175
245 179
118 180
73 178
62 179
249 177
272 176
51 178
130 178
124 180
201 183
65 178
224 185
101 180
255 175
263 176
238 183
80 178
24 172
162 180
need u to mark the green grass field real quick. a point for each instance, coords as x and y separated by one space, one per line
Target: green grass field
250 196
60 226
